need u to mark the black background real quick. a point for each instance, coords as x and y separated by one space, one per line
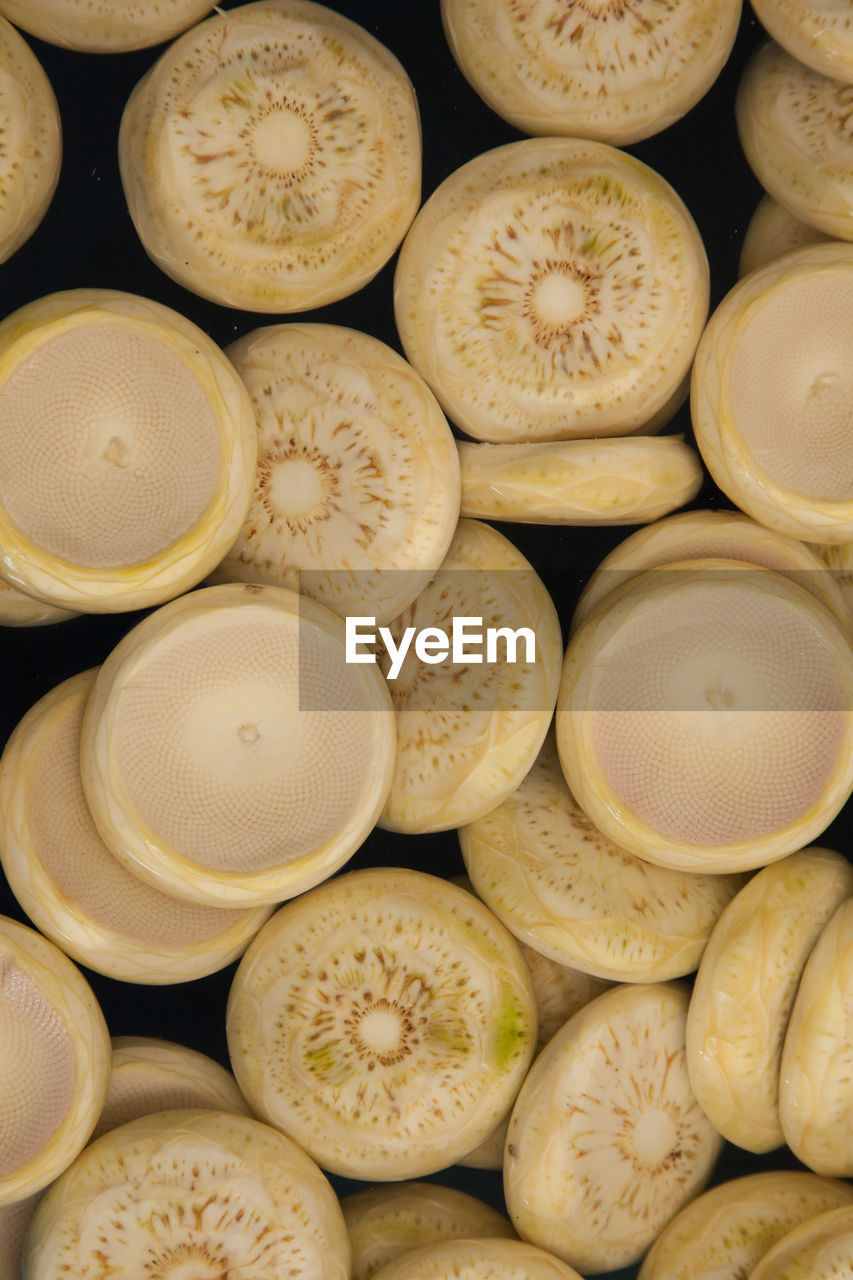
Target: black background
87 240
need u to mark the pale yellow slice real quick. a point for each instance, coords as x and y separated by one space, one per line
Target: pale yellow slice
745 988
18 610
271 158
629 481
480 1259
839 560
817 32
127 451
772 231
819 1249
14 1221
230 754
550 289
385 1020
31 130
56 1061
357 489
105 26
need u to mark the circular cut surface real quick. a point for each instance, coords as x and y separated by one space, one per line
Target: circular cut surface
271 158
385 1020
794 126
190 1194
815 1103
624 481
704 716
469 730
819 1249
55 1060
606 1141
726 1231
483 1259
357 488
230 754
14 1221
31 134
552 288
618 72
772 394
389 1221
104 26
127 451
566 890
772 231
745 988
69 883
816 32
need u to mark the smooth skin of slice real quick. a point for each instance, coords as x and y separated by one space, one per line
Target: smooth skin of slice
479 1259
772 394
388 1221
69 883
627 481
815 1104
726 1231
190 1193
794 129
607 1142
772 231
18 610
744 991
705 717
104 26
564 889
230 755
385 1020
816 32
271 159
56 1061
819 1249
618 72
127 451
552 289
31 153
468 731
357 488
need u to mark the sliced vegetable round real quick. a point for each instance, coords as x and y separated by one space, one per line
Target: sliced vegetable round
819 1249
817 32
104 26
772 231
18 610
485 1259
32 140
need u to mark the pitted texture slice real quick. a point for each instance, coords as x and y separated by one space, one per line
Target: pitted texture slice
607 1142
551 289
150 1075
615 71
818 1249
566 890
468 731
271 158
816 32
795 130
69 883
104 26
190 1194
695 535
744 991
230 754
385 1020
772 394
389 1221
55 1052
815 1103
627 481
128 451
726 1231
357 488
18 610
483 1259
30 141
772 231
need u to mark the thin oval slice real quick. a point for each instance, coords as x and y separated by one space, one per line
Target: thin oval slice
469 727
609 71
819 1249
626 481
772 231
483 1259
128 451
70 884
357 488
794 129
32 141
385 1020
199 1192
607 1142
388 1221
816 32
705 717
56 1061
564 889
726 1231
744 991
271 158
551 289
104 26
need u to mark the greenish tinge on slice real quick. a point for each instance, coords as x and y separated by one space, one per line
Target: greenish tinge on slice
816 32
818 1249
385 1020
31 129
104 26
772 231
483 1259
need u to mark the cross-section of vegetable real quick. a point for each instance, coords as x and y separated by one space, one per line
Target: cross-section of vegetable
772 231
820 1248
817 32
104 26
483 1259
30 141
